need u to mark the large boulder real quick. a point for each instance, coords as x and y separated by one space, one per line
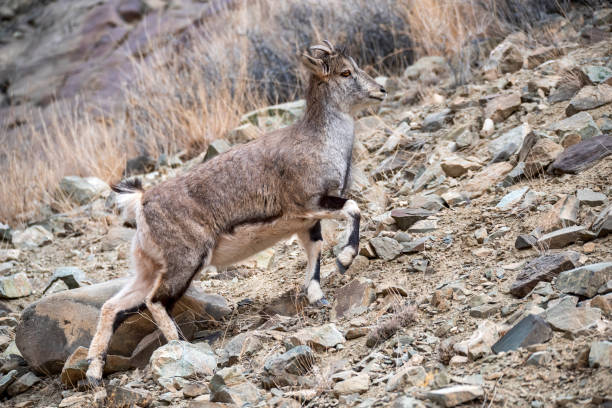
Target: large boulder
54 327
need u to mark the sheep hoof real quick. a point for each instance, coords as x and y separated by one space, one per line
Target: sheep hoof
341 268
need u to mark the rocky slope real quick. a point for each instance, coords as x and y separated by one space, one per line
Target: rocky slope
484 277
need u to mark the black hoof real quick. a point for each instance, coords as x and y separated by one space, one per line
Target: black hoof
341 268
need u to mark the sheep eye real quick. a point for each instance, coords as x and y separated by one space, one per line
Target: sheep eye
346 73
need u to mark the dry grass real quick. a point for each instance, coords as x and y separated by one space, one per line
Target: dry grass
194 88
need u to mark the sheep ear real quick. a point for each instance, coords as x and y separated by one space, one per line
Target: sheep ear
315 65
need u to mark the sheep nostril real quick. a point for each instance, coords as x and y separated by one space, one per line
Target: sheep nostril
383 90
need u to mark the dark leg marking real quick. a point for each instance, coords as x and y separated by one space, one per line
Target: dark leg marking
124 314
332 203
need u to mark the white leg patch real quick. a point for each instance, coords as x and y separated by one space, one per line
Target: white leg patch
351 208
346 256
314 292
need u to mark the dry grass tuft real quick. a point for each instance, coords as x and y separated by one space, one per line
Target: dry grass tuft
405 315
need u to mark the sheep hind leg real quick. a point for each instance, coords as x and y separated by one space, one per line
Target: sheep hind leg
312 241
129 300
160 314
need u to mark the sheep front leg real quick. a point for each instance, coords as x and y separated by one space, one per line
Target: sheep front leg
312 241
348 210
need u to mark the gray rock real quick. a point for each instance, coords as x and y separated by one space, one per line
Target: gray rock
6 267
512 198
415 246
117 396
589 97
229 386
602 225
525 241
456 166
407 376
505 145
591 198
435 121
515 175
566 317
386 248
583 155
430 174
424 226
353 298
586 280
406 217
597 74
486 310
407 402
15 286
318 338
600 354
505 57
32 238
581 123
563 214
353 385
46 342
501 107
182 359
215 148
22 384
426 65
72 276
455 395
431 202
543 269
286 113
83 190
7 379
564 237
539 358
297 361
243 134
530 330
242 345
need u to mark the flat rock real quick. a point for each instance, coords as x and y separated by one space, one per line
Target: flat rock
215 148
318 338
183 359
530 330
287 113
230 386
243 134
589 97
564 237
431 202
407 376
83 190
386 248
543 269
515 175
457 166
32 237
600 354
285 369
46 341
544 152
566 317
512 198
591 198
486 310
9 255
435 121
353 385
353 298
72 276
508 143
506 57
7 379
407 402
582 156
241 345
586 280
581 123
539 359
423 226
15 286
480 342
525 241
597 74
406 217
564 213
415 246
501 107
118 397
455 395
76 366
22 384
602 225
486 178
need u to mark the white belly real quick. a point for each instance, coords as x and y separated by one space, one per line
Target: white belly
247 240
